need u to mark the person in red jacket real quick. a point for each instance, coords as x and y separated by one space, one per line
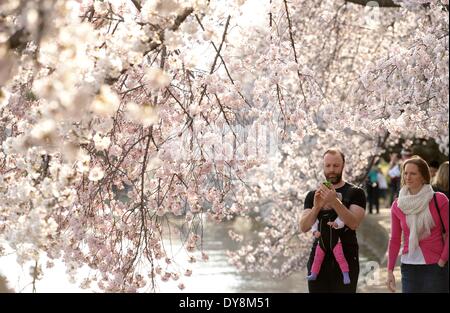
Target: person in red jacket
422 216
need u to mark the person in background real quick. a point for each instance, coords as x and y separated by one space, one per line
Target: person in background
373 190
395 171
406 154
422 216
382 186
434 166
440 183
394 175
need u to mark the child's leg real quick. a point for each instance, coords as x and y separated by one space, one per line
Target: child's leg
318 259
340 258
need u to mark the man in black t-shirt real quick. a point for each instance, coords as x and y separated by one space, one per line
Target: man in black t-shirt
350 210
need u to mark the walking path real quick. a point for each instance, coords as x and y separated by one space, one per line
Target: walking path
375 231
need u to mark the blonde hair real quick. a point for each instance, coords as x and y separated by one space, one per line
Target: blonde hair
424 170
441 178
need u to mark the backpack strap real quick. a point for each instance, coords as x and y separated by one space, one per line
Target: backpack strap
439 213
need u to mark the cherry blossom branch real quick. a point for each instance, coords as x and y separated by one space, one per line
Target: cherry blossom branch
225 116
221 44
291 37
178 21
279 96
223 61
179 103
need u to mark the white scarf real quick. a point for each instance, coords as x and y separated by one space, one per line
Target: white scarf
418 215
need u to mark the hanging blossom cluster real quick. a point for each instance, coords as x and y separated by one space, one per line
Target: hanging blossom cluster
125 123
411 81
110 132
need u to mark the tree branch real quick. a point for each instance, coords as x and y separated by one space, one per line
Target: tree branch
221 44
178 20
290 31
137 5
291 37
381 3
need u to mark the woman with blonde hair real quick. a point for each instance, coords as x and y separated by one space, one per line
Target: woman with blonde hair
441 179
422 216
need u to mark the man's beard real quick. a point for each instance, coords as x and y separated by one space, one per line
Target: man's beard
335 179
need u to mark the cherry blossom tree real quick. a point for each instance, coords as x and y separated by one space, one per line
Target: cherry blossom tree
126 123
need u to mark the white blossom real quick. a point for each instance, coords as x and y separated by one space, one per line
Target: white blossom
96 174
101 142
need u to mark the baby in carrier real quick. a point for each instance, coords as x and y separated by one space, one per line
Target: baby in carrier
333 243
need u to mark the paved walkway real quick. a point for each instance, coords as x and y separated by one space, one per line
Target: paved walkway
378 283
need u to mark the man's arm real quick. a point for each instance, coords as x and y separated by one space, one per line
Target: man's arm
352 216
308 218
309 215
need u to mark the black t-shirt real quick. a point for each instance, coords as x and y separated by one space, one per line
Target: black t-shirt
350 195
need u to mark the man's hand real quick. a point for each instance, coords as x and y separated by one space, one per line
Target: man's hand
328 195
351 216
316 234
318 201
